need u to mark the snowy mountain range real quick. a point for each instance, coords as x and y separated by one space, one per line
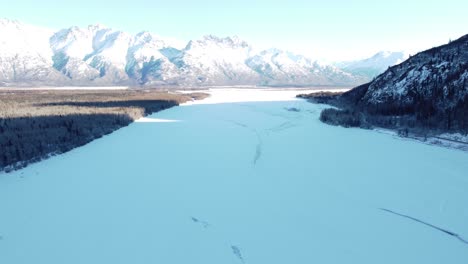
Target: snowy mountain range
374 65
97 55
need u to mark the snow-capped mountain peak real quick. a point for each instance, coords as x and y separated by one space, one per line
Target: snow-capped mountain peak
374 65
96 27
6 22
25 54
146 38
211 41
384 57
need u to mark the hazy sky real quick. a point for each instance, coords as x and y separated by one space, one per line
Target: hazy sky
332 29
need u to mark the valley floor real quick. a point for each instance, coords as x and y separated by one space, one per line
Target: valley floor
250 181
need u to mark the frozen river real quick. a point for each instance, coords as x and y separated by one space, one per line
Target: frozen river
239 182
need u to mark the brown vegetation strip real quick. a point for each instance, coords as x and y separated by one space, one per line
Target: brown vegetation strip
35 124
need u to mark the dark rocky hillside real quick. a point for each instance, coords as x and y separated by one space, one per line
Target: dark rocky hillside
428 93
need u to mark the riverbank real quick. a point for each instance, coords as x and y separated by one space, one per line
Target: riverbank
405 126
446 140
35 124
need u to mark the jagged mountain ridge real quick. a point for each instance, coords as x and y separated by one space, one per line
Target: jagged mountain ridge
97 55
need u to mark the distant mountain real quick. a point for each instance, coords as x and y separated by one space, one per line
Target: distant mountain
279 67
215 61
98 56
429 90
375 65
25 55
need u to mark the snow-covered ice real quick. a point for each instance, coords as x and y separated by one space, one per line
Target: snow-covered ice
154 120
244 182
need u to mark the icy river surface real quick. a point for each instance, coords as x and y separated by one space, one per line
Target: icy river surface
256 179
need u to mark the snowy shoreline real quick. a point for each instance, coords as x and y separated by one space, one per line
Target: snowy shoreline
446 140
238 95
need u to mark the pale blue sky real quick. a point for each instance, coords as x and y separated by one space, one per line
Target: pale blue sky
333 29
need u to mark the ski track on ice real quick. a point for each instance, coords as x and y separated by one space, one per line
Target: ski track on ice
427 224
